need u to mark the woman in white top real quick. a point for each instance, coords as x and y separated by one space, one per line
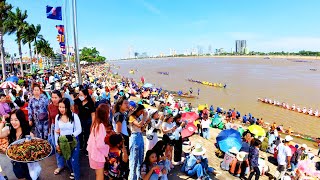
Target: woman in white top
168 127
205 125
68 124
153 127
136 144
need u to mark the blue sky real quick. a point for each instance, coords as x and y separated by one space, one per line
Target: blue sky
155 26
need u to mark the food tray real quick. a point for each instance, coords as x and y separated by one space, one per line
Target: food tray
21 141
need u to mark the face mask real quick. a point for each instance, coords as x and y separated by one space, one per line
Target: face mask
81 98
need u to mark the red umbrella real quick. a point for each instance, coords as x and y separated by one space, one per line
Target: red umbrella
188 130
190 116
8 84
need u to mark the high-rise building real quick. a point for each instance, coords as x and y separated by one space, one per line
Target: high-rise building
240 46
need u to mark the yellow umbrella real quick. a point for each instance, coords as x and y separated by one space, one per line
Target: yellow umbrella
257 130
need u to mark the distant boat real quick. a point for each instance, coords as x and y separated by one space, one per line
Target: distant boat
267 58
313 69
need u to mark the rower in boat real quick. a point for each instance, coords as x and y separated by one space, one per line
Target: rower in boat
265 100
274 102
310 112
270 101
293 108
304 110
299 109
316 113
284 105
278 103
287 106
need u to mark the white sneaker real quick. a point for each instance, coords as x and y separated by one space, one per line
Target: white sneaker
176 163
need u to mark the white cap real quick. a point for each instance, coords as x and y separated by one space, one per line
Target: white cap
304 146
288 138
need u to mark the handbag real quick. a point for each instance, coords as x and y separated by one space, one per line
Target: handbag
149 133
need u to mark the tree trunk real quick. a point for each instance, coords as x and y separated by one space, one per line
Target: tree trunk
3 63
30 52
20 55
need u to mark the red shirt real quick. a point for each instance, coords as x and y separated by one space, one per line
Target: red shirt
53 111
24 108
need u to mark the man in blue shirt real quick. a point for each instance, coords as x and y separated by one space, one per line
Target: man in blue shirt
244 119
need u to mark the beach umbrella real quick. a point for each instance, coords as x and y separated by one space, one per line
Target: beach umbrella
147 85
190 116
216 121
229 138
13 79
307 166
202 106
257 130
7 84
189 130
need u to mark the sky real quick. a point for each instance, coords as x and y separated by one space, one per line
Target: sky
155 26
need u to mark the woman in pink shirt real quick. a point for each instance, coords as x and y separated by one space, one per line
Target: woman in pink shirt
97 148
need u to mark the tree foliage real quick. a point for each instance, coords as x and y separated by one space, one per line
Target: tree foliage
44 48
91 55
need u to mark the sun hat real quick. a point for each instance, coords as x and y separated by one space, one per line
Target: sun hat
233 150
304 146
187 148
241 156
288 138
198 150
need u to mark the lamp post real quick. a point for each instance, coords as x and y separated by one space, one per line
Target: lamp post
75 37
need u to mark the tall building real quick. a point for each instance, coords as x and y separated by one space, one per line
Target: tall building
240 46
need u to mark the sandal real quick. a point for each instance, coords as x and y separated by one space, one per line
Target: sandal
71 176
57 171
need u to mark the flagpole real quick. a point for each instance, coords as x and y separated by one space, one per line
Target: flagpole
75 36
66 38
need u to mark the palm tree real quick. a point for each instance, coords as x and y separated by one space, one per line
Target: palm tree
18 25
4 13
37 35
28 37
44 48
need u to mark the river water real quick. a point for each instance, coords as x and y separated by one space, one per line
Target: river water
246 79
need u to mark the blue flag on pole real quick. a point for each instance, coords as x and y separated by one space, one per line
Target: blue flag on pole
54 13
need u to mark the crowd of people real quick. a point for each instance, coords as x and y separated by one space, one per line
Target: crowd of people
106 117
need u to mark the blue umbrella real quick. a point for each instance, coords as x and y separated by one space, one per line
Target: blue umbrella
147 85
13 79
229 138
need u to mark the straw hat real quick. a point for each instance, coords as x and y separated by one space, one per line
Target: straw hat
241 156
187 148
233 150
198 150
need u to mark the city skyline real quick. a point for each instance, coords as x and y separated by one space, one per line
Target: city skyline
157 26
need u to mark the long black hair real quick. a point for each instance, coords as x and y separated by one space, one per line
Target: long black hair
23 124
66 103
139 108
85 91
119 103
147 157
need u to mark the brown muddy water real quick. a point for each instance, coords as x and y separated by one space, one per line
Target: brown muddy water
247 79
